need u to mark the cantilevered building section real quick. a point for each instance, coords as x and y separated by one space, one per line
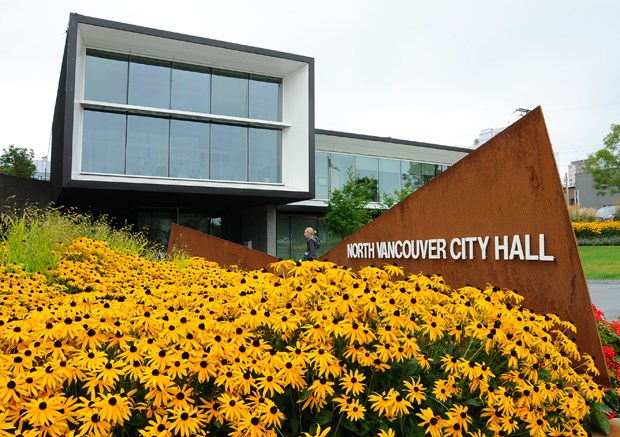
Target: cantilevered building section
154 128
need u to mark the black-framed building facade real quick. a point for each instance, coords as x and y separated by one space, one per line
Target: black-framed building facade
155 127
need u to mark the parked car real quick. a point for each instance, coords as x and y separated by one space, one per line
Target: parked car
609 212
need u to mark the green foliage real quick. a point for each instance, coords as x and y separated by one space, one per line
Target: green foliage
412 183
348 207
34 237
602 240
604 165
17 161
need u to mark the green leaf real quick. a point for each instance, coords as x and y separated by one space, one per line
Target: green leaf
349 426
601 421
324 417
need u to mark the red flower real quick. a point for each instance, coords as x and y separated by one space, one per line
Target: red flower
598 314
615 326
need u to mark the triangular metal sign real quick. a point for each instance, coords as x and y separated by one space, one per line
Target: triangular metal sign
496 217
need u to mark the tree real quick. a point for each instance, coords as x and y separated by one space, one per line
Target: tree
17 161
348 206
604 165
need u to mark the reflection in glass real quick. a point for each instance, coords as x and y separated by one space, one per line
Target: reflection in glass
265 164
229 94
264 100
149 83
147 146
229 146
389 176
106 77
191 89
189 149
367 170
321 175
339 166
411 175
103 142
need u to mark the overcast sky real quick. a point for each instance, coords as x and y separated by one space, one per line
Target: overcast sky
432 71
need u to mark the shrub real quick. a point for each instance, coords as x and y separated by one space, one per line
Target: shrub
112 343
579 214
34 237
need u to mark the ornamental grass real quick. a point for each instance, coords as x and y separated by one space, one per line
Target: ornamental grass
110 343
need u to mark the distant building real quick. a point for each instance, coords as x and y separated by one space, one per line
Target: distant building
584 192
486 134
44 167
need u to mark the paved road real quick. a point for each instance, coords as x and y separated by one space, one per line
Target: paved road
606 296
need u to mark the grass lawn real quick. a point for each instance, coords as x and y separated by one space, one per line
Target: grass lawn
600 262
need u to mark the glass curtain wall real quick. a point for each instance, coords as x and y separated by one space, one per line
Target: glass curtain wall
125 142
389 175
291 242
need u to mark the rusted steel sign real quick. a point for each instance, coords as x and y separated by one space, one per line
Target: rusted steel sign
497 216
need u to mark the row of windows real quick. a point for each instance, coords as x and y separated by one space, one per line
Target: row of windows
332 172
128 144
125 79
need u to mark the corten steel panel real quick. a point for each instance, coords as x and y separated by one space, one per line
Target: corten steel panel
225 253
508 186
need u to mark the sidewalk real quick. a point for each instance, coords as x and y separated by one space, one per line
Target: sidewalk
605 294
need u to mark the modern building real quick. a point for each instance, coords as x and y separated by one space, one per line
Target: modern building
155 127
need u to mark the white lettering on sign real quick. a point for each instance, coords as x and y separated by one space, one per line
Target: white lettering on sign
503 247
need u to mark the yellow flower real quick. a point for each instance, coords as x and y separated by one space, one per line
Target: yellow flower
319 432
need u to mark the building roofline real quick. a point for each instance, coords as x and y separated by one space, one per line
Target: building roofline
390 140
83 19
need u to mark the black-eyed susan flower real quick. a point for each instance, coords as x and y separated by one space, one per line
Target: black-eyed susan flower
432 423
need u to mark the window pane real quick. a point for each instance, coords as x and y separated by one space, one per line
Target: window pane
283 236
229 152
321 176
147 146
339 166
389 176
265 99
191 90
411 175
106 78
103 142
189 149
265 156
367 170
230 94
149 84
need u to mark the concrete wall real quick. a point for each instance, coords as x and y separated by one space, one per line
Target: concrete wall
19 192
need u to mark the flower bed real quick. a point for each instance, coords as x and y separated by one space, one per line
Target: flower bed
108 343
595 229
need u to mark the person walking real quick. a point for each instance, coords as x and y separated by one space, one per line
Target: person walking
312 245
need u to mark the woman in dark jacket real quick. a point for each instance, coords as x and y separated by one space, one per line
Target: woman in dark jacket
312 245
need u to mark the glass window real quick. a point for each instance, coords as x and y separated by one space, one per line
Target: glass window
389 176
189 149
103 142
411 175
264 99
147 146
265 157
283 236
106 77
321 175
156 223
229 94
339 166
367 169
149 83
229 149
191 89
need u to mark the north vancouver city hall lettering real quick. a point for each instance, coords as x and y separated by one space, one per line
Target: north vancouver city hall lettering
516 247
